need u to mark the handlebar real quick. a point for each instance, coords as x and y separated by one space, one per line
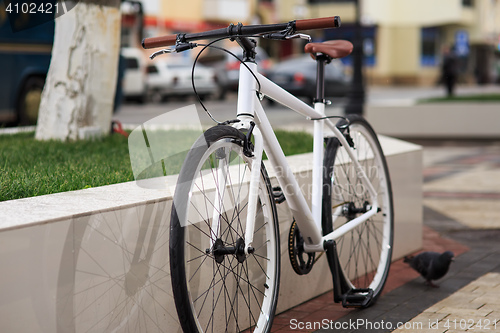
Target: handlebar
241 30
318 23
149 43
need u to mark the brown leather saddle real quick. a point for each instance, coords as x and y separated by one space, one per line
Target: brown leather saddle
333 48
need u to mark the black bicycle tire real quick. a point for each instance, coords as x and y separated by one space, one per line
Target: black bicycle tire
332 147
177 234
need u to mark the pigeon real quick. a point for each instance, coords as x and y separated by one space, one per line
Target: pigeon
431 265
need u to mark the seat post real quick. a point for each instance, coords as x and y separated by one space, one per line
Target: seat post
321 61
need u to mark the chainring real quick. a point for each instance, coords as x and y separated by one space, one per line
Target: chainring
302 262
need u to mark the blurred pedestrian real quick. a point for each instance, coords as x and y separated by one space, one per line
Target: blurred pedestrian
449 71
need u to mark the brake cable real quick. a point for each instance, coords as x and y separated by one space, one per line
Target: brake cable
205 46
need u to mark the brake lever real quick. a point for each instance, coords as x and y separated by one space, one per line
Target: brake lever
285 36
301 36
177 49
157 53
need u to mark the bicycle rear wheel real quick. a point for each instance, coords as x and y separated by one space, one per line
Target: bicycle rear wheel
216 286
364 252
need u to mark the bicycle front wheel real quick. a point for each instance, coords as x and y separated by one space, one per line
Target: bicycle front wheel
364 252
217 286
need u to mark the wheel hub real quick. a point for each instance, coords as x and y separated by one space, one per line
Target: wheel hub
351 211
219 250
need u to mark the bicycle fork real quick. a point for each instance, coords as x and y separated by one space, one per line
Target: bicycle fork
244 246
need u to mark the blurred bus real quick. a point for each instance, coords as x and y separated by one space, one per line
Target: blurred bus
24 62
25 53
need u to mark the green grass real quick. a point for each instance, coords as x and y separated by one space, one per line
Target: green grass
466 98
31 168
294 143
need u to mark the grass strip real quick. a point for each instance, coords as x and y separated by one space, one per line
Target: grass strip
32 168
463 98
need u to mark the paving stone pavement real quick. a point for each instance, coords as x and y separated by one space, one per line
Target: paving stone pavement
475 307
463 175
466 185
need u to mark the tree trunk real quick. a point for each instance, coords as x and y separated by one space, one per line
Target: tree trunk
77 100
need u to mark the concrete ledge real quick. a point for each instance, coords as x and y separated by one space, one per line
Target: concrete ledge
437 120
46 241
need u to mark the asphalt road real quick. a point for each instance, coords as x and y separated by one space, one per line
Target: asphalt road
135 114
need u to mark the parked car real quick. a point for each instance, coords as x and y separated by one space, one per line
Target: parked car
227 67
134 78
166 79
298 76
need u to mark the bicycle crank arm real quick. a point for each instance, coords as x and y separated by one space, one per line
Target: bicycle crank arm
342 290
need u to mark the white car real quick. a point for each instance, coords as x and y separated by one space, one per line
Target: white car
166 79
134 78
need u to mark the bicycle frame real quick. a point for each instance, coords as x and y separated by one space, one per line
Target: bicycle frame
308 219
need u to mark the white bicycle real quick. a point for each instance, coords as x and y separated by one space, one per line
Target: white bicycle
224 238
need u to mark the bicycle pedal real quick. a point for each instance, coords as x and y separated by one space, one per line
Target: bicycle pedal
357 298
278 195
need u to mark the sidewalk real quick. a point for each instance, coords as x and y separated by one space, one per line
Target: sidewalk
408 96
396 111
461 214
475 307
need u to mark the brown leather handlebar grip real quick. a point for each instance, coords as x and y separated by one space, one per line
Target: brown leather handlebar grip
149 43
318 23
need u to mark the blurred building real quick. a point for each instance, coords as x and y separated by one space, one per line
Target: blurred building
411 35
403 40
